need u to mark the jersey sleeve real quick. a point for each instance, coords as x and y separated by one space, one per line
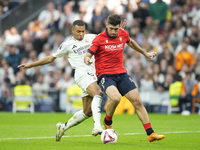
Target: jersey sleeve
127 36
94 46
62 50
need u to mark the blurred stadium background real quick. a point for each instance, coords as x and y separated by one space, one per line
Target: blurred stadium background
33 29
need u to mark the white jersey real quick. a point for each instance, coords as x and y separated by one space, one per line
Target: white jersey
75 51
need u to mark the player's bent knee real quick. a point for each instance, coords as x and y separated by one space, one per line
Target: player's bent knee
99 93
95 92
88 113
116 99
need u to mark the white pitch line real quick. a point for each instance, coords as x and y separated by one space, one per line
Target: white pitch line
180 132
50 137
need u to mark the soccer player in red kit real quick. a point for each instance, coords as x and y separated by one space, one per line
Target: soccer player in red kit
108 47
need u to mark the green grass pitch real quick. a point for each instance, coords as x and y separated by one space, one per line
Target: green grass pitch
24 131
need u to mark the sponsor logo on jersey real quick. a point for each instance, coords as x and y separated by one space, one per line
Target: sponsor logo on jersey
74 46
114 47
120 38
82 50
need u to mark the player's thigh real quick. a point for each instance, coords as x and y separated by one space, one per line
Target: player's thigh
109 86
125 84
133 97
94 89
113 93
87 100
83 79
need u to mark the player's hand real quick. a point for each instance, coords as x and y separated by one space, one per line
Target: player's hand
150 55
88 61
25 66
123 24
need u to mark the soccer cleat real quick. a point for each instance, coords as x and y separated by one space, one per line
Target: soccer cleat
154 136
107 126
60 131
96 131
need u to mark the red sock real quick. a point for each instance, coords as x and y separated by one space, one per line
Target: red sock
108 118
147 126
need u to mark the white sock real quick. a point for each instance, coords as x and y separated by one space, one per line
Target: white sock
77 118
96 111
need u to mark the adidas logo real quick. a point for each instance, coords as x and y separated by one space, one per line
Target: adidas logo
74 46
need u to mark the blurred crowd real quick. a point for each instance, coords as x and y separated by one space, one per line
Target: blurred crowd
7 5
172 30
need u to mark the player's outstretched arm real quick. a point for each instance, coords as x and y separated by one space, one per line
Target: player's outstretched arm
87 58
41 62
136 47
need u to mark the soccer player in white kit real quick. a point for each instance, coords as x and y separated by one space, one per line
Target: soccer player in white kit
75 48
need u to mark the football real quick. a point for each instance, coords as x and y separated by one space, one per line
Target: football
109 136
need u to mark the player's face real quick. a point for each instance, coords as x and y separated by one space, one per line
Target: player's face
78 32
112 30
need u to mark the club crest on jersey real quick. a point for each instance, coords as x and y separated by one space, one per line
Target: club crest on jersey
106 41
86 41
120 38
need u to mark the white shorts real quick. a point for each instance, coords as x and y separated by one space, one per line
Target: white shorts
83 79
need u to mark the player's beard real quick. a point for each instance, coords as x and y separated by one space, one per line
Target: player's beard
112 35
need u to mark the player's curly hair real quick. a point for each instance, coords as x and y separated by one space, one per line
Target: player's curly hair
114 19
78 23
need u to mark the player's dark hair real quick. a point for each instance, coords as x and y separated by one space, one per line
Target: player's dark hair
114 19
79 23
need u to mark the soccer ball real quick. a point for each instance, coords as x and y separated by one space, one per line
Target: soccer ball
109 136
